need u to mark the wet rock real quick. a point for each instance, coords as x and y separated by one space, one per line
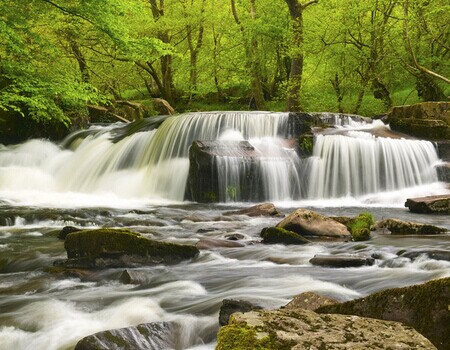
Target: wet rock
399 227
148 336
132 277
314 226
443 172
436 254
208 243
305 329
341 261
429 205
424 307
230 306
203 182
278 235
264 209
66 230
309 301
235 237
104 248
429 120
443 149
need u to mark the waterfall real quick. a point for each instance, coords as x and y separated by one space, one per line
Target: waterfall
150 163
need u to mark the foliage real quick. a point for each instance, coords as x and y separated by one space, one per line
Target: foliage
360 226
56 56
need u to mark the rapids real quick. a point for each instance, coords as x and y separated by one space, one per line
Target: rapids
97 179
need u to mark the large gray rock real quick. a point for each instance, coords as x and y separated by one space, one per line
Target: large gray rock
429 205
305 329
424 307
146 336
231 306
399 227
309 301
314 226
105 248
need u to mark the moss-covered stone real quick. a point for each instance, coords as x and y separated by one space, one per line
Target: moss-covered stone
278 235
118 247
424 307
359 226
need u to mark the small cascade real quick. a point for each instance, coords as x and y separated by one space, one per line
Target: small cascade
360 163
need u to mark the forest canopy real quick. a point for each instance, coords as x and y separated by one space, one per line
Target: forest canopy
57 56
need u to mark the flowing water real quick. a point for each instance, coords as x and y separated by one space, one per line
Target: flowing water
138 182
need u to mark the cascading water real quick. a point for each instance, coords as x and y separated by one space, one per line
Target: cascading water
155 165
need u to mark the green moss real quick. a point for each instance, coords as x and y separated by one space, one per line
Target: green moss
274 235
359 226
210 197
115 242
306 144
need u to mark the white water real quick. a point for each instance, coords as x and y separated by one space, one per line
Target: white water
153 166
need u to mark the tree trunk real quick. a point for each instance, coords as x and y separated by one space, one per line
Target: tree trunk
297 56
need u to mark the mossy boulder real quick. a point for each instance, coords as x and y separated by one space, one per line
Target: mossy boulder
149 336
399 227
103 248
314 226
230 306
424 307
309 301
305 329
360 226
278 235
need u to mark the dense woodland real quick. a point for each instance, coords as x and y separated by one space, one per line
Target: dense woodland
57 56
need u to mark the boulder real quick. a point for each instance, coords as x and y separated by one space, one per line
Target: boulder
203 181
66 230
132 277
104 248
148 336
341 260
429 120
424 307
429 205
230 306
399 227
208 243
443 172
309 301
305 329
314 226
264 209
278 235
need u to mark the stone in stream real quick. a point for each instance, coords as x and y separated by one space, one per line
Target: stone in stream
436 254
429 205
424 307
148 336
305 329
309 301
208 243
278 235
105 248
66 230
399 227
230 306
341 261
132 277
314 226
264 209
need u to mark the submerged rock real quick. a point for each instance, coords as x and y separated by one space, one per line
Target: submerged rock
399 227
314 226
305 329
278 235
424 307
103 248
208 243
148 336
264 209
429 205
341 260
230 306
309 301
436 254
